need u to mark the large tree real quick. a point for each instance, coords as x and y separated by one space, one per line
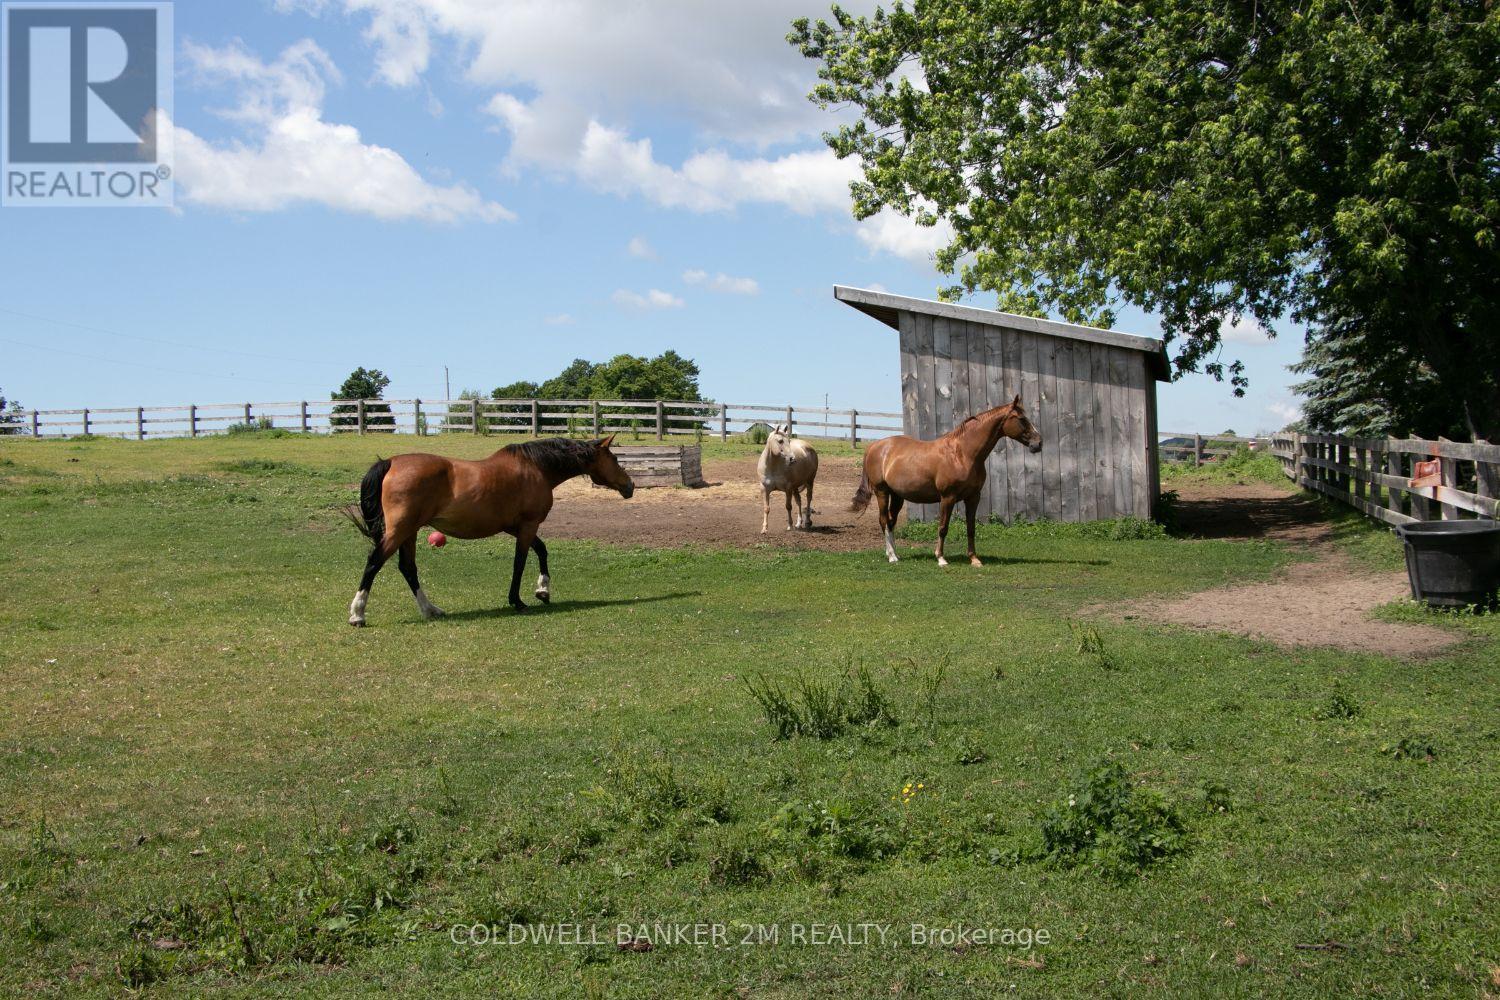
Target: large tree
1335 161
10 416
367 384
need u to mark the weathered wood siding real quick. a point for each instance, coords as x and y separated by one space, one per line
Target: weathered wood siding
1094 404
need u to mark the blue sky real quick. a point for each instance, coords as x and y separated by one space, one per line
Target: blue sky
499 188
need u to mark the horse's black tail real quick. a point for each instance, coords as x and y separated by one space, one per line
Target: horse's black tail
369 516
862 495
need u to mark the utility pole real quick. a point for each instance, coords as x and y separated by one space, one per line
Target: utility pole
447 389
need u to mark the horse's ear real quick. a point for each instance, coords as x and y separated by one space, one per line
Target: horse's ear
606 442
1016 401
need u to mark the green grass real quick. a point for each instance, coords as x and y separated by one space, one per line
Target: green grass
209 782
1241 466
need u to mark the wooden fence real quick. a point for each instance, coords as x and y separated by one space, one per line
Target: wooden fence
660 419
1375 475
1200 448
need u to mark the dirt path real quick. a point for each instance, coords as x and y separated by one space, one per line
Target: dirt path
1321 602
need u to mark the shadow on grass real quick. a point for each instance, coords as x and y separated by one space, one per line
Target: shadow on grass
563 607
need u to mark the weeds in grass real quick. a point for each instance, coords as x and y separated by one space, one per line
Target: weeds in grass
822 709
1108 823
968 749
1115 529
1339 706
835 827
929 683
735 860
1216 798
1410 748
1089 645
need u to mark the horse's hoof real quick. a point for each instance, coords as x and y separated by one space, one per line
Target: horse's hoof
975 562
432 613
942 561
520 608
891 559
544 597
357 623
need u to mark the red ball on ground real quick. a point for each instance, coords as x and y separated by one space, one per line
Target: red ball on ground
437 539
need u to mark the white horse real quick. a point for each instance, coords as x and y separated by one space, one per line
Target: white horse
790 466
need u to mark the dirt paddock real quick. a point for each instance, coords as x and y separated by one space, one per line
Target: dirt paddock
726 512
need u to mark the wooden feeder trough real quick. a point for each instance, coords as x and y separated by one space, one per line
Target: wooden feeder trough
662 465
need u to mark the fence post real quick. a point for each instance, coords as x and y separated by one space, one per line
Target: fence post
140 423
789 418
1421 507
192 420
247 416
1448 469
1395 498
360 415
1197 450
536 418
661 420
417 426
36 425
474 415
723 421
854 428
304 416
598 432
1487 482
85 420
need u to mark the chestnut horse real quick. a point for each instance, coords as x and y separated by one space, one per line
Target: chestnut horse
944 471
510 491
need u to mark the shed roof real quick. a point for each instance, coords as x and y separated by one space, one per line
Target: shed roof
886 307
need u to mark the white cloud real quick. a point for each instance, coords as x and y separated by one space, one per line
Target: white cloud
289 155
653 299
640 249
891 232
1242 330
560 319
722 282
1284 410
726 69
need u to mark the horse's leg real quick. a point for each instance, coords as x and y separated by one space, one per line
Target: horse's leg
406 560
945 511
525 535
378 556
971 507
887 502
807 510
790 492
765 514
543 581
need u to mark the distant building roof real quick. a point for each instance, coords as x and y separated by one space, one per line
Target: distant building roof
886 307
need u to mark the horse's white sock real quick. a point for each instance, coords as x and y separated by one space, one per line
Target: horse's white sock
544 585
357 607
428 609
890 544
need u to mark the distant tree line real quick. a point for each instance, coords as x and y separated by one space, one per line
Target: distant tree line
669 375
10 416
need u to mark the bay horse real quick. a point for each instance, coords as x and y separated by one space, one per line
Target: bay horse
943 471
511 491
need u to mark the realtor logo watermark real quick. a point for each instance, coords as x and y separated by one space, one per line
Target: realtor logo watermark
85 118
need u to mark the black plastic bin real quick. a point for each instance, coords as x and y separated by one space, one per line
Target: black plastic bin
1452 564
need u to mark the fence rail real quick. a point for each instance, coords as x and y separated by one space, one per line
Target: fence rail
1199 448
657 418
1376 475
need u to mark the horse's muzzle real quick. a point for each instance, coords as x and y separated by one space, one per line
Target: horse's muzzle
1035 448
627 491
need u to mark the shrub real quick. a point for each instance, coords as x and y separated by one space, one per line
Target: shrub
1106 822
1339 706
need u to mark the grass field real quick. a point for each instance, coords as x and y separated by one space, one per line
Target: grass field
210 782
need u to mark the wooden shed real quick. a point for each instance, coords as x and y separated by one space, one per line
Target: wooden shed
1091 393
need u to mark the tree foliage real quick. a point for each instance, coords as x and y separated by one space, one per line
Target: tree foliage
1335 161
10 415
669 375
363 383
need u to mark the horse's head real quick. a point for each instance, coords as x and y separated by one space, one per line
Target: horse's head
779 443
1017 425
605 469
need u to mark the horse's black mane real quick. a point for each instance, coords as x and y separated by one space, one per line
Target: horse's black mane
557 456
